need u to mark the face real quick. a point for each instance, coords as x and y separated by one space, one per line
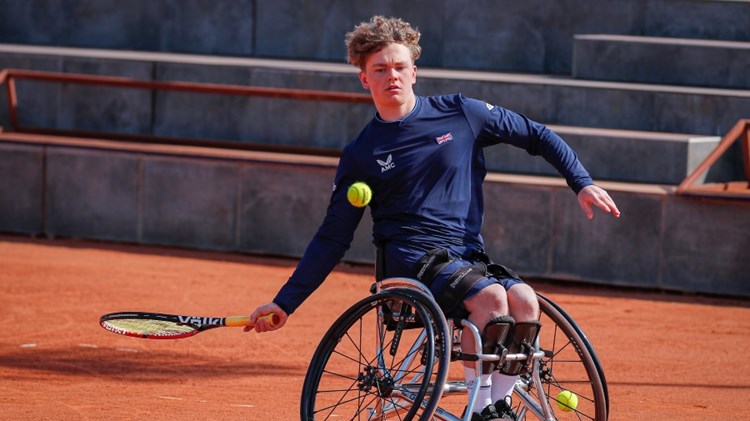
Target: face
389 75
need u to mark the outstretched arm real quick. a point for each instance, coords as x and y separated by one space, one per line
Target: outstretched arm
594 195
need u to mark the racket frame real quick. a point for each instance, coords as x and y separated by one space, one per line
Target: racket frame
195 324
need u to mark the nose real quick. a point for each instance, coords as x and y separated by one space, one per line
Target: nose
392 74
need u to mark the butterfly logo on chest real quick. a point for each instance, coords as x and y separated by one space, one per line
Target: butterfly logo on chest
386 165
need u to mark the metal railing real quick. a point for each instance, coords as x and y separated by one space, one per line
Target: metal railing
733 189
10 76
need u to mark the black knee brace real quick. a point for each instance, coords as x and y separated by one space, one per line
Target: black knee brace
523 338
494 340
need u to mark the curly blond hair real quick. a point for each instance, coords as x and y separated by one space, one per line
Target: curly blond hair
371 37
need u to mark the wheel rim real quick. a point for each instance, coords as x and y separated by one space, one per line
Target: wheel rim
361 369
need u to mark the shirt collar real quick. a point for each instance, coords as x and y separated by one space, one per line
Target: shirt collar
413 111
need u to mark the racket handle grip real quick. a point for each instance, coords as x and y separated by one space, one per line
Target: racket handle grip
242 321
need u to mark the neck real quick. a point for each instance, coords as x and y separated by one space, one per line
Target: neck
397 112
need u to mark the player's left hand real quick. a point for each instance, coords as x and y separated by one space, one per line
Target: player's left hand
594 195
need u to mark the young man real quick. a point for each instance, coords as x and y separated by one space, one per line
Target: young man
422 157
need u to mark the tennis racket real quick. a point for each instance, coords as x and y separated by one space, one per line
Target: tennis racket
170 326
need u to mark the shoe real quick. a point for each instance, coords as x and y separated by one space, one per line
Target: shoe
488 414
504 409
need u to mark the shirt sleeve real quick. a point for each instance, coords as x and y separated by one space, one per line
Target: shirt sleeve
500 125
327 247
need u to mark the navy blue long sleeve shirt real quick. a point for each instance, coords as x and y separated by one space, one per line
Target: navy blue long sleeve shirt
426 173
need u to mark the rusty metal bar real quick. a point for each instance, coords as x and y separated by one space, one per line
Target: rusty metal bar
746 151
3 80
209 88
5 77
13 103
740 129
213 143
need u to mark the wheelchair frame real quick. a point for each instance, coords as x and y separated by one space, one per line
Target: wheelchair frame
406 375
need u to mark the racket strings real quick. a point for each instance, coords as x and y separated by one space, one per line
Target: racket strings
145 327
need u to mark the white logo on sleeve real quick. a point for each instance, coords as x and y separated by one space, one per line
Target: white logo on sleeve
489 106
386 165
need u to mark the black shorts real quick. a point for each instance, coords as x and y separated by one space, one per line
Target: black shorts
453 280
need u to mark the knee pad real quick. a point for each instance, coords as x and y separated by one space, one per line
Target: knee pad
520 342
494 339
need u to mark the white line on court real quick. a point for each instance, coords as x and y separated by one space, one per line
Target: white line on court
171 398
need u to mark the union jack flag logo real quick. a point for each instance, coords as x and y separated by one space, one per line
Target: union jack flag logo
444 138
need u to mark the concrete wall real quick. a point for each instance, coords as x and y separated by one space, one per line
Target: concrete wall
501 35
21 188
187 197
250 202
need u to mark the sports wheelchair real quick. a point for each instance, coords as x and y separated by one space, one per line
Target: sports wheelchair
388 357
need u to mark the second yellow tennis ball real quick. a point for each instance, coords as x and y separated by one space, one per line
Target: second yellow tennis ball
567 400
359 194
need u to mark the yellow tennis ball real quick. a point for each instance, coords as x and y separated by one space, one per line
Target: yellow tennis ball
359 194
567 400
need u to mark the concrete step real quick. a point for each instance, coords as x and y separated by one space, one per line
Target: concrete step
668 61
619 155
590 103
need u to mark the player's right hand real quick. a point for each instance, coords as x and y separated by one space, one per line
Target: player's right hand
262 325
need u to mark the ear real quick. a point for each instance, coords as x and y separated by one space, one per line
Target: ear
363 80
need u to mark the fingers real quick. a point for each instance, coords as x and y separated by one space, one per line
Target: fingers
586 207
593 195
610 206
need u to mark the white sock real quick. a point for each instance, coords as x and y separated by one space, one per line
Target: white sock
484 397
502 386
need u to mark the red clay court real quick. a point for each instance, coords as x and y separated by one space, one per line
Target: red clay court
666 356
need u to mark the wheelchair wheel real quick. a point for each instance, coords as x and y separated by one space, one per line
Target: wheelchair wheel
570 364
386 357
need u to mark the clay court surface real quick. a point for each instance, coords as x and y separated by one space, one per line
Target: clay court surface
666 356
